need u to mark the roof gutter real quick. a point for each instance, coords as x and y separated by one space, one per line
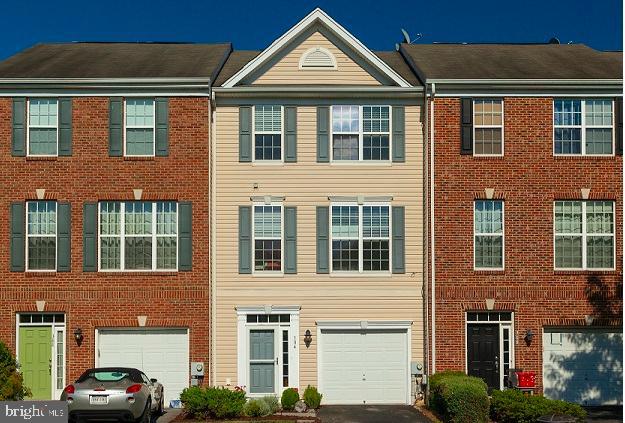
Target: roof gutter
164 80
532 82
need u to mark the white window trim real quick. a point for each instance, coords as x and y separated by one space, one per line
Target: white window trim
361 134
584 235
502 324
502 234
490 127
28 126
126 127
361 240
122 235
268 272
243 329
583 128
55 236
254 132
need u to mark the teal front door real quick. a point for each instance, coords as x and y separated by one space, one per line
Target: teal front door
262 361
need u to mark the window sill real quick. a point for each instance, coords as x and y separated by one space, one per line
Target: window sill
131 273
362 163
583 157
360 274
260 274
139 158
486 157
41 158
583 271
40 273
490 271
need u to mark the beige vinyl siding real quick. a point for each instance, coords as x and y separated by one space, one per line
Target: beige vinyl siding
307 184
287 71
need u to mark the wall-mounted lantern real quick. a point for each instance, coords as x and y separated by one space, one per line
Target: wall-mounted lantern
529 335
78 336
307 338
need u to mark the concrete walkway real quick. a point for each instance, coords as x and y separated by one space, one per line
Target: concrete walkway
168 415
370 414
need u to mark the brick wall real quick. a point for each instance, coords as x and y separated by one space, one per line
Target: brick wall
529 178
92 300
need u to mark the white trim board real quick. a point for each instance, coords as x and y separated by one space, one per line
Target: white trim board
313 17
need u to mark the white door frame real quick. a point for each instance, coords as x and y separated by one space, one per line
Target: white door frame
58 333
243 336
503 324
366 325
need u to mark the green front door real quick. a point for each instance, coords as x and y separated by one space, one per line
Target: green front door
262 364
35 358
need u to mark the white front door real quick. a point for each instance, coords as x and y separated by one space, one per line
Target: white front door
160 353
583 365
364 366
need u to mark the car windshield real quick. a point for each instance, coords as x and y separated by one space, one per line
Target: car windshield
106 376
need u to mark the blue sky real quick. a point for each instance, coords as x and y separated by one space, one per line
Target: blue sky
254 24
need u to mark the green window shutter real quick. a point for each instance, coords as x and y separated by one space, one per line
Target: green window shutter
65 126
185 249
290 126
290 240
162 126
64 237
245 134
18 133
323 134
18 227
466 126
116 127
399 134
323 239
90 237
245 239
399 240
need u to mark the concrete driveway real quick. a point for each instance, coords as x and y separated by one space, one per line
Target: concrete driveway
370 414
605 414
168 415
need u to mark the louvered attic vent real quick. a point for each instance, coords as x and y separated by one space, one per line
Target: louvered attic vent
317 58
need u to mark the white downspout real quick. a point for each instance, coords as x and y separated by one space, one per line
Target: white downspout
213 242
433 255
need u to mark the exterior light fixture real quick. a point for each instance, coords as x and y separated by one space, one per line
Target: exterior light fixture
78 336
529 335
307 338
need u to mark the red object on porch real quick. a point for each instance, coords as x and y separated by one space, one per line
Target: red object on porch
526 379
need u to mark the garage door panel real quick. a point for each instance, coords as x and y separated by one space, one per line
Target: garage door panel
160 353
364 366
583 366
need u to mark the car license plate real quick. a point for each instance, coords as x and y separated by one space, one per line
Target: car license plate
98 399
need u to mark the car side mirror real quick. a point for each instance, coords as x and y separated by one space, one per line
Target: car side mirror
153 380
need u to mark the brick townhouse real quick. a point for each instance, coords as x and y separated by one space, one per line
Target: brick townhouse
104 168
525 206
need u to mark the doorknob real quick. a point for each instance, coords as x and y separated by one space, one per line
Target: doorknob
50 366
496 363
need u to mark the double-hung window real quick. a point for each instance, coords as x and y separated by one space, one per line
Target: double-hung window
139 127
583 127
360 237
138 235
41 227
488 127
43 131
488 219
268 133
267 231
584 235
361 133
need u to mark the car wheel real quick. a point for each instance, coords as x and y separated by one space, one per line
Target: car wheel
161 405
146 417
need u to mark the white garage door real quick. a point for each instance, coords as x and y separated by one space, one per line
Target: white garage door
583 366
368 366
160 353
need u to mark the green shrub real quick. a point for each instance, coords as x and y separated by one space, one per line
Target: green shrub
459 398
256 408
217 403
512 406
11 381
312 397
289 397
272 402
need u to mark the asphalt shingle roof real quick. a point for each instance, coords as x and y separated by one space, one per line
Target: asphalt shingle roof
514 61
116 60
